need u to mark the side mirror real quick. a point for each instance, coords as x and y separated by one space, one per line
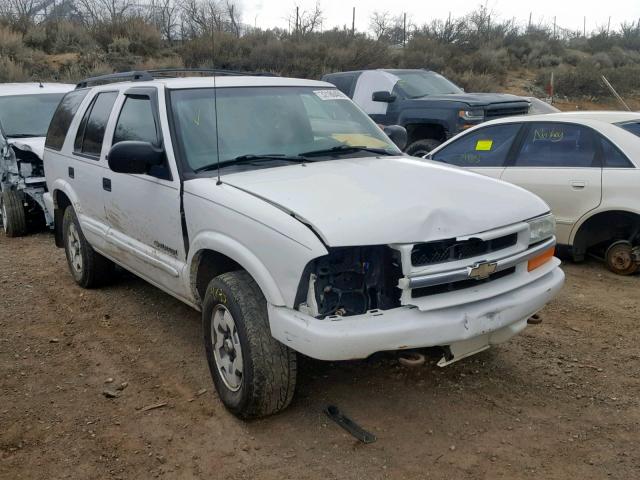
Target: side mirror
383 96
397 134
134 157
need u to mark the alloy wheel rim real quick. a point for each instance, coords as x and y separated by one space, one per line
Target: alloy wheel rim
227 351
75 249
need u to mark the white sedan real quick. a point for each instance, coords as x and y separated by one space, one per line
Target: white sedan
585 165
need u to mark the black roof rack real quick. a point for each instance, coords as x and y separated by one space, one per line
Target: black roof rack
146 75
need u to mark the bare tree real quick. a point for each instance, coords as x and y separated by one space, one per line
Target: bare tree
306 21
165 15
202 17
380 24
22 12
233 15
111 11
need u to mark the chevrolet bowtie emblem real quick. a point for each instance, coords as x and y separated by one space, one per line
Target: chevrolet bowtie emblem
482 270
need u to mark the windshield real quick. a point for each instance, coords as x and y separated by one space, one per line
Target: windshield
28 115
415 84
285 121
633 127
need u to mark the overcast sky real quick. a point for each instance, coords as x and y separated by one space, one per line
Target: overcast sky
569 13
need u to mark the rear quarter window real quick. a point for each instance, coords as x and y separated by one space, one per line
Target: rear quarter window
62 118
612 157
632 127
343 82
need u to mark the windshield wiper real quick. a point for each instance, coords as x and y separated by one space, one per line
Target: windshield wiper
252 158
24 135
346 149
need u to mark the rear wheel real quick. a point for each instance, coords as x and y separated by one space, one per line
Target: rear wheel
88 267
14 219
254 374
620 258
420 148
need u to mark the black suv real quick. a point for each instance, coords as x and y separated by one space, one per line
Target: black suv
429 106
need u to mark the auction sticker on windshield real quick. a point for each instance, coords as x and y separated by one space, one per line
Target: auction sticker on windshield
330 94
484 145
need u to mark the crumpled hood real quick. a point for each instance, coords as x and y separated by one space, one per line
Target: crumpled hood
31 144
378 201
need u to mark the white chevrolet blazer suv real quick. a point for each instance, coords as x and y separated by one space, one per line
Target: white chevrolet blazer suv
279 209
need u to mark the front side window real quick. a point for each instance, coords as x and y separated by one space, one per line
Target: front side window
486 147
557 145
94 123
63 117
136 121
284 121
23 116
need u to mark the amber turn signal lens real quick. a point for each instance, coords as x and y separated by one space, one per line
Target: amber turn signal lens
541 259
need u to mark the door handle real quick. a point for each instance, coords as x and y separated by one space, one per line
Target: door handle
106 184
578 184
72 172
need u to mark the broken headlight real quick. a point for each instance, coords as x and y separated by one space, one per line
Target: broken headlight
350 281
541 228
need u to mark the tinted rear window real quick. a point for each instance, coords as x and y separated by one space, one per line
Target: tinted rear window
91 131
557 145
343 82
633 127
612 156
62 118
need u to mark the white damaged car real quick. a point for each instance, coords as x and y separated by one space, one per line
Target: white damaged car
279 209
25 112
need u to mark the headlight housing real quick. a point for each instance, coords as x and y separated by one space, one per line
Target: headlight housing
475 115
541 228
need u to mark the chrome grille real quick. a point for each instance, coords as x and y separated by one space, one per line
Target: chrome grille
451 250
459 285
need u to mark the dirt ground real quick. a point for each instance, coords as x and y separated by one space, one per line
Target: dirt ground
560 401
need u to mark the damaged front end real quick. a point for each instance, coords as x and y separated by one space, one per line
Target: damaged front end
22 178
462 294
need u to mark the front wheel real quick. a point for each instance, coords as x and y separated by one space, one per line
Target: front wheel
254 374
420 148
14 219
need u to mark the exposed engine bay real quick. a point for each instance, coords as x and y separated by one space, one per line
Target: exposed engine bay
350 281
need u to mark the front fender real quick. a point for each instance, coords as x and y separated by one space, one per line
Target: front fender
62 186
233 249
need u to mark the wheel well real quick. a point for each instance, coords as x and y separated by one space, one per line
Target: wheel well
206 265
61 202
420 132
605 227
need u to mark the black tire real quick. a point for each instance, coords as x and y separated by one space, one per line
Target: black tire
92 270
14 219
420 148
268 378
